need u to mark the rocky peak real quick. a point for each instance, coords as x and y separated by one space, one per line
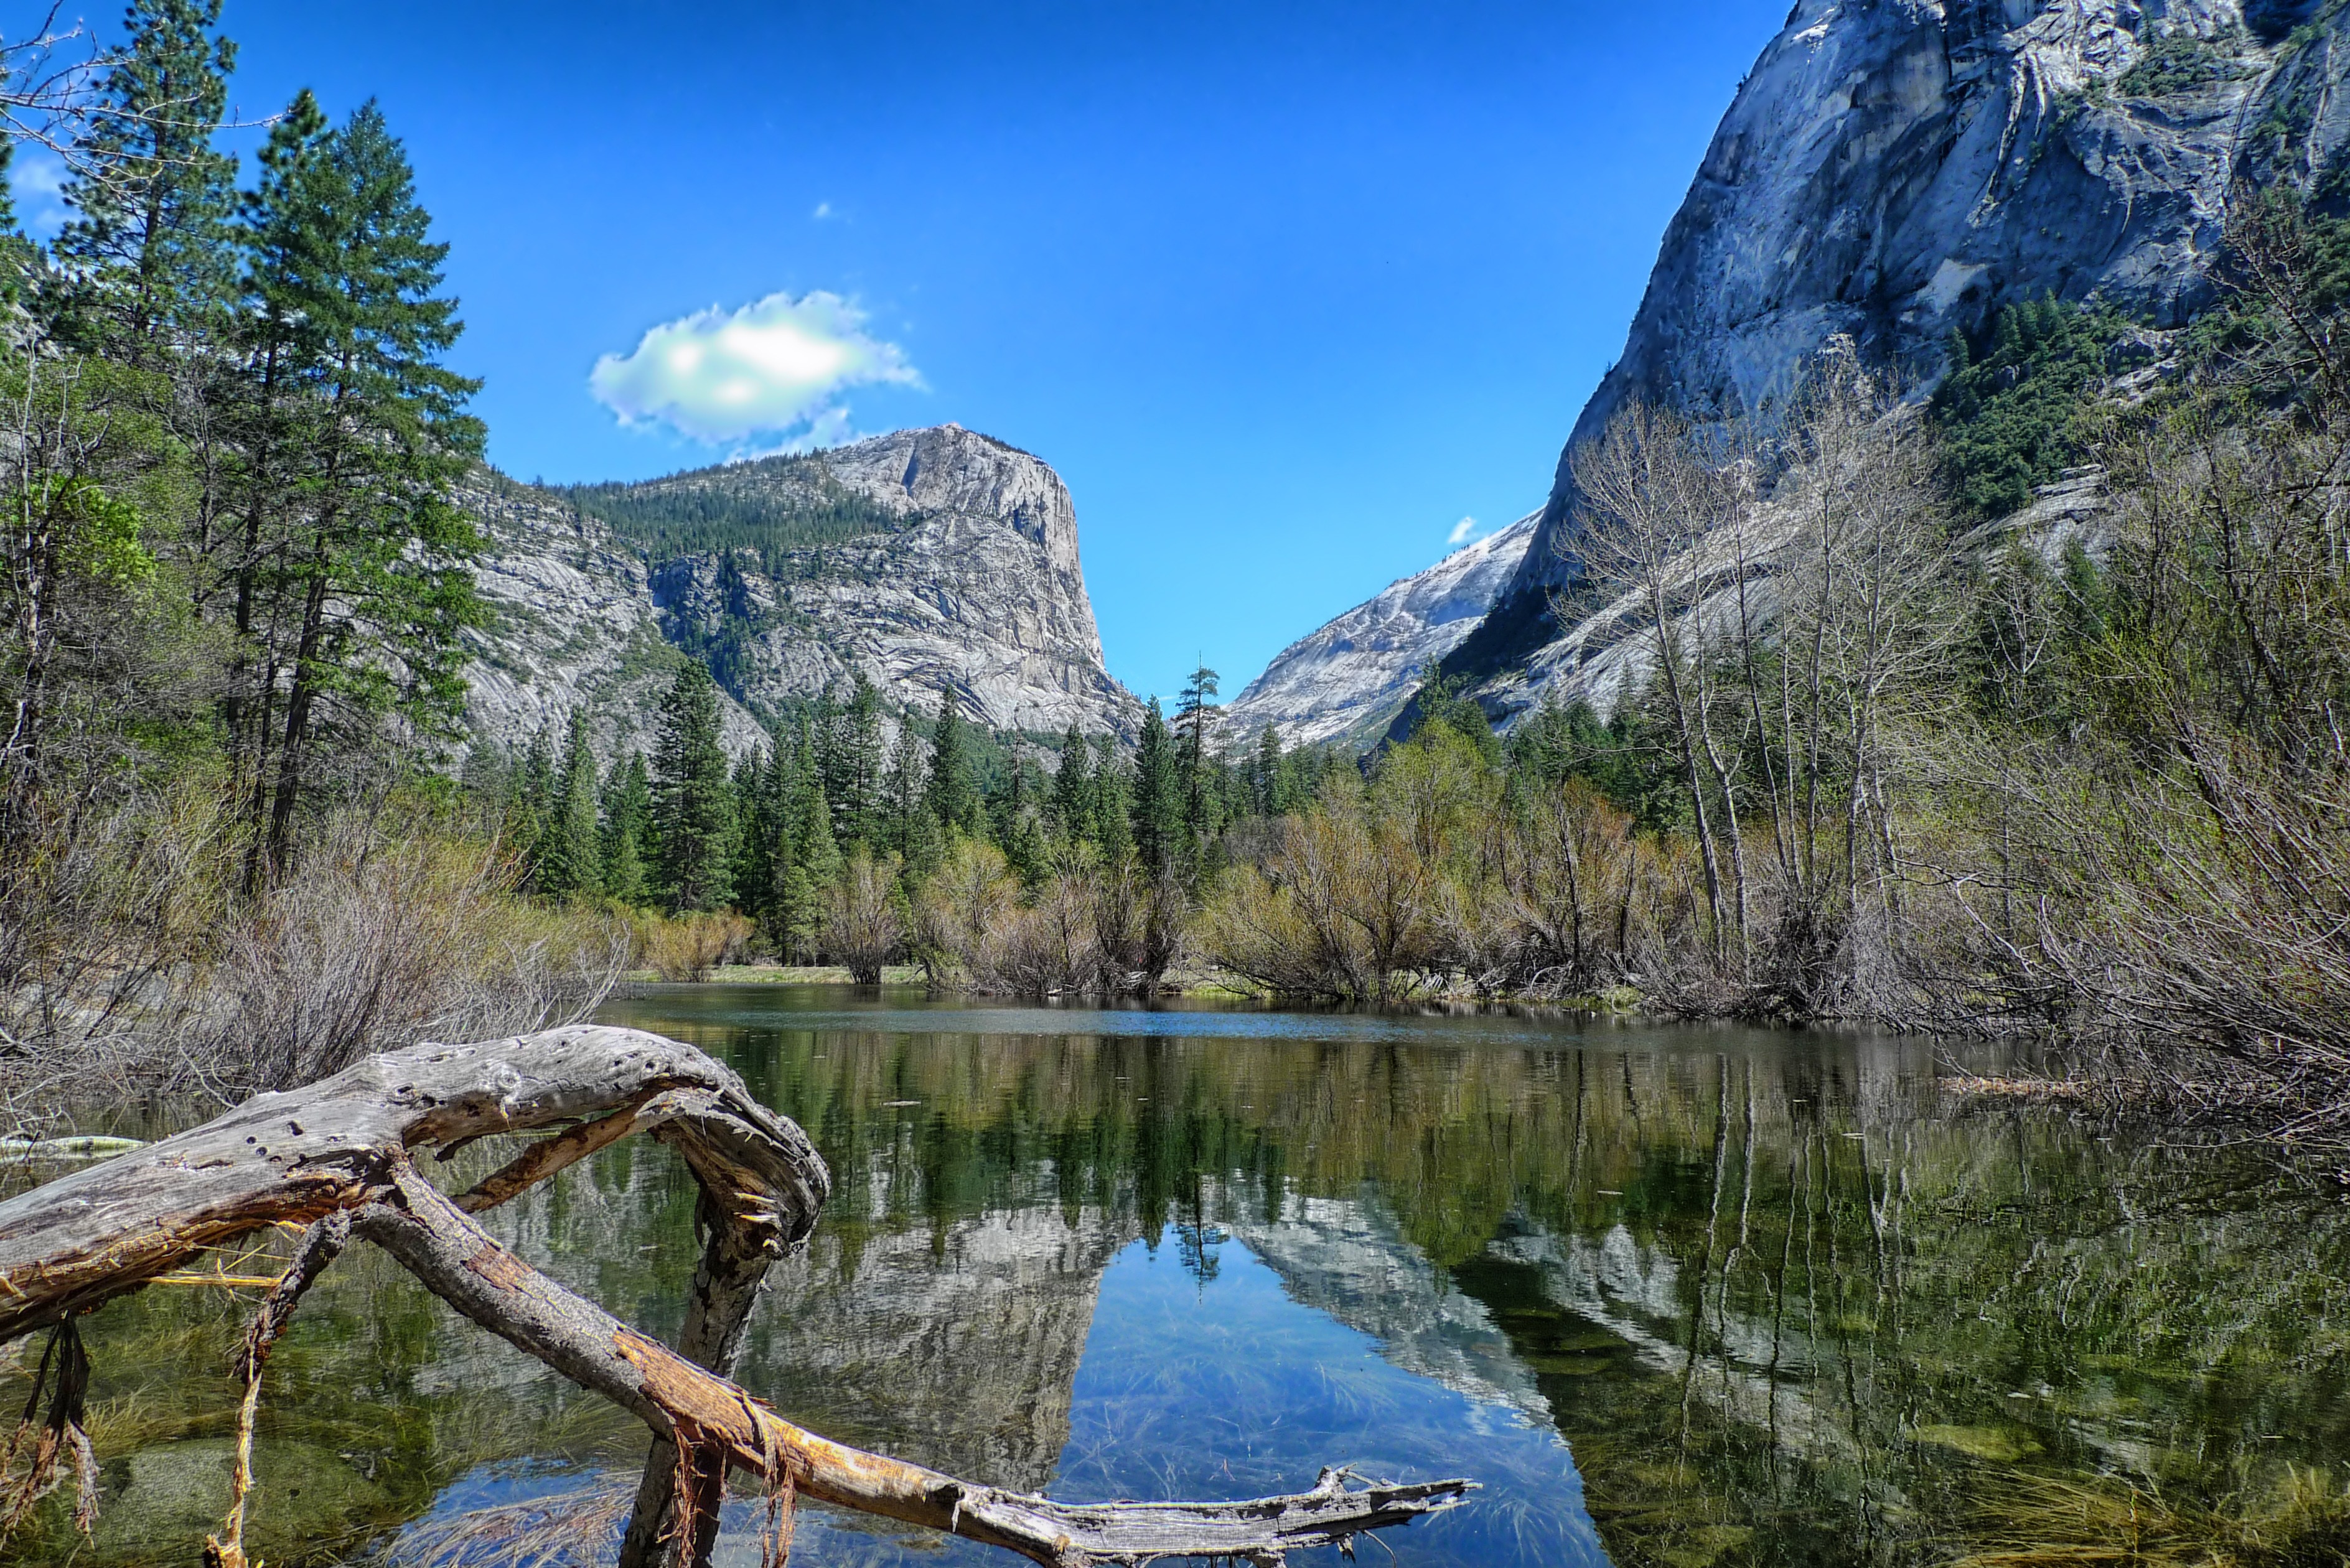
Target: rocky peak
931 561
1894 169
1345 680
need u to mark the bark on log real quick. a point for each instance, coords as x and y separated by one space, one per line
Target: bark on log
302 1154
342 1146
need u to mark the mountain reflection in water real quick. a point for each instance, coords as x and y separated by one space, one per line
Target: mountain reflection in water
1676 1297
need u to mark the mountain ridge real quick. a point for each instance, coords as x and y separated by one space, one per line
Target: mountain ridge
947 561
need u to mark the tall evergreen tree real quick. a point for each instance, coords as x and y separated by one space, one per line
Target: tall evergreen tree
1265 795
148 246
1073 788
1158 809
570 857
953 800
799 913
628 831
1113 830
1195 713
907 829
853 777
693 795
362 565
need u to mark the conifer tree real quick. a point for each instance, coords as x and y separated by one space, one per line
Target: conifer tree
693 803
1073 788
1113 831
1158 809
148 246
1265 796
815 862
853 780
1021 833
628 828
570 859
909 829
1194 711
526 789
953 804
368 581
748 875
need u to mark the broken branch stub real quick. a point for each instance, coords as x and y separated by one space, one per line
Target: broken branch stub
342 1147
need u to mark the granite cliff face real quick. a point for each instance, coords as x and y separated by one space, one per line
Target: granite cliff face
1894 169
929 560
1346 680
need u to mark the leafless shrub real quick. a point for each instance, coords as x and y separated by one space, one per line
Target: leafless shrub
688 946
129 956
865 927
375 942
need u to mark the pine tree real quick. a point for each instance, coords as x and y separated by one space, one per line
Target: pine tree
952 803
1194 711
628 826
1158 809
367 583
1022 832
1073 788
525 805
147 248
693 803
853 781
815 862
570 859
1265 795
747 873
909 830
1113 830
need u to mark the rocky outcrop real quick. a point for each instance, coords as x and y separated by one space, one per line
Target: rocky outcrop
1347 680
1894 169
575 628
960 574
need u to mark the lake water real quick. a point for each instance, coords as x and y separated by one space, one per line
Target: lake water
1674 1296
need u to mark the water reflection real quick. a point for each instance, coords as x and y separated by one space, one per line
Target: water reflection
1736 1297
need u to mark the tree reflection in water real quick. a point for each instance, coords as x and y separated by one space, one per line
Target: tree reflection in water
1727 1297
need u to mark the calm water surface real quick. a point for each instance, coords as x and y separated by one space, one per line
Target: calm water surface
1675 1296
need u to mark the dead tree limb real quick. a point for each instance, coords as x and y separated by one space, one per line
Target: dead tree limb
320 1245
342 1147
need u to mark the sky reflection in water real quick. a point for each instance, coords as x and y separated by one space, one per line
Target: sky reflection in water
1683 1297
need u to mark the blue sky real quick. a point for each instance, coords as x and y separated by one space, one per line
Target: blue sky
1284 291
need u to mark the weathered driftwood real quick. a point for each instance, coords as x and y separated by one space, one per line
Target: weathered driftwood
339 1152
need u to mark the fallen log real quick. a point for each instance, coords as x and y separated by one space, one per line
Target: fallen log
342 1150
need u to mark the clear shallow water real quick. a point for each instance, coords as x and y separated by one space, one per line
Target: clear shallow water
1675 1296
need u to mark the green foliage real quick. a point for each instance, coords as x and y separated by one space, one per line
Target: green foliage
1158 805
694 797
771 507
1073 787
355 580
2010 415
147 251
2179 62
627 825
949 793
569 858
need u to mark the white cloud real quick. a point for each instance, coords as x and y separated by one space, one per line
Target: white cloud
823 209
776 367
1463 531
37 179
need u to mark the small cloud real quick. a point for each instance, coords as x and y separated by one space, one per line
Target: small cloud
37 179
823 210
774 368
1463 531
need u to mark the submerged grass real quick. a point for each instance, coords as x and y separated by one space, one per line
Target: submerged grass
2298 1518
